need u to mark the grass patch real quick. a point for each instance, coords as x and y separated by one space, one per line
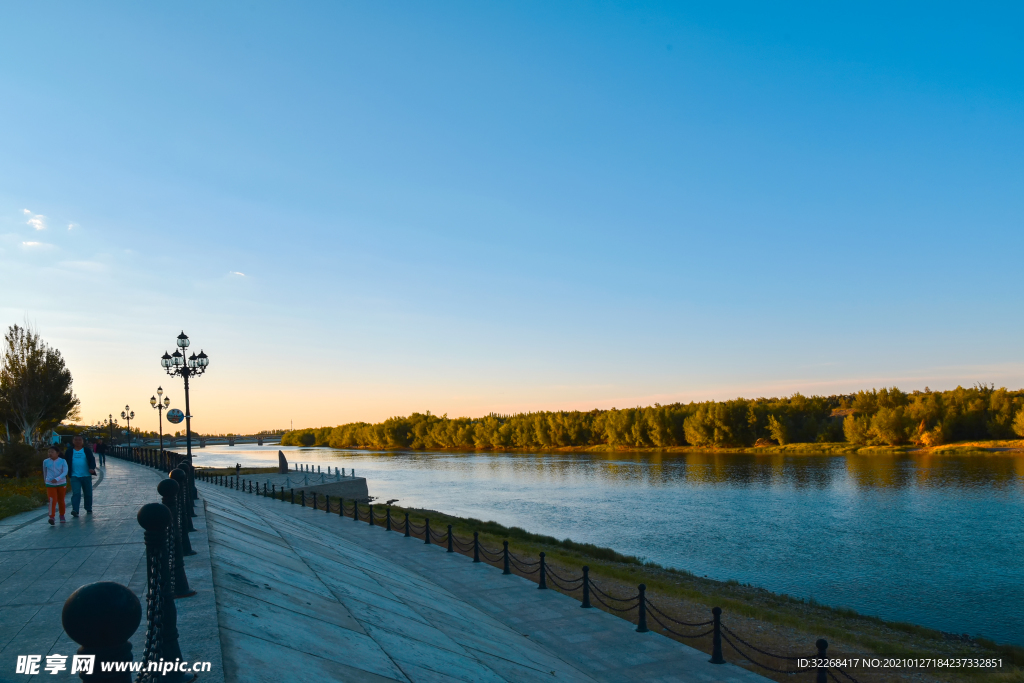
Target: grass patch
21 495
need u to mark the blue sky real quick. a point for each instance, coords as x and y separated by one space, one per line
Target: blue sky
364 209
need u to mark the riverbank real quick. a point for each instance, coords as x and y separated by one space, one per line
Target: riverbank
994 447
770 621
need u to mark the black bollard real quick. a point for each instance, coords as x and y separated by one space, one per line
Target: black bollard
161 612
293 496
102 617
341 507
370 520
168 490
314 501
451 549
388 517
716 638
586 588
355 510
273 491
407 525
426 531
543 581
505 569
327 502
182 481
476 546
641 620
822 646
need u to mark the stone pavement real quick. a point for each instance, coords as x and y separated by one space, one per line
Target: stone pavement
41 565
340 600
288 593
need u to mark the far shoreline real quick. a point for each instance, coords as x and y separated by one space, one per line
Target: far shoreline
971 448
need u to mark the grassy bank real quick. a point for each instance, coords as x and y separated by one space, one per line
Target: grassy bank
21 495
775 623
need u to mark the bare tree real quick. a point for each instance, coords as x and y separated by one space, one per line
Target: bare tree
35 386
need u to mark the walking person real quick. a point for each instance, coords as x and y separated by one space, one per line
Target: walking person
55 474
100 449
83 466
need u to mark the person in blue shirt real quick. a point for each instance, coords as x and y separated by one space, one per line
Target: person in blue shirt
82 465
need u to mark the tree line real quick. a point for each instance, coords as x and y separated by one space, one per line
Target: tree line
886 416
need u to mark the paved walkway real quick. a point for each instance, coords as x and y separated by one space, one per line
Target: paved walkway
41 565
347 601
288 593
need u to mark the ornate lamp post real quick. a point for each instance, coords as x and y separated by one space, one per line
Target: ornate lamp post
110 423
177 365
160 407
128 414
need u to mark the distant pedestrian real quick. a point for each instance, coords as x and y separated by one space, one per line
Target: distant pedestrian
83 466
55 476
101 451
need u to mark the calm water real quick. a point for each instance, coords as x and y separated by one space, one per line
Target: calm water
934 541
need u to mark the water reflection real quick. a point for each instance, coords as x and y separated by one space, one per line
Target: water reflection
876 533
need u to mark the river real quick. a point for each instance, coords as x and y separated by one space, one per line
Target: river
936 541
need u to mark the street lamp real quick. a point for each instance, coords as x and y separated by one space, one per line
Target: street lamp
111 423
177 365
128 414
160 407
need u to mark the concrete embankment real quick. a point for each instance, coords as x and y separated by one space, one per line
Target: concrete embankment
349 488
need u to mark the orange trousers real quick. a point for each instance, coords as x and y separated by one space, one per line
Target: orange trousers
56 496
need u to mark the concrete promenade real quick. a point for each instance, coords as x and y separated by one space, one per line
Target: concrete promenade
288 593
355 602
41 565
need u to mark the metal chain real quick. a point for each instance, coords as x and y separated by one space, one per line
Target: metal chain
756 649
757 663
676 633
681 623
154 614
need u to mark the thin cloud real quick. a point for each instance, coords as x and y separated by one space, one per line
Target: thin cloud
72 226
235 272
37 221
35 245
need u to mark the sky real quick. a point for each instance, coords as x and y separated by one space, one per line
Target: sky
365 209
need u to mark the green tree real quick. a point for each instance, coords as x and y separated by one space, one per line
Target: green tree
890 426
855 429
778 430
35 386
1018 423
